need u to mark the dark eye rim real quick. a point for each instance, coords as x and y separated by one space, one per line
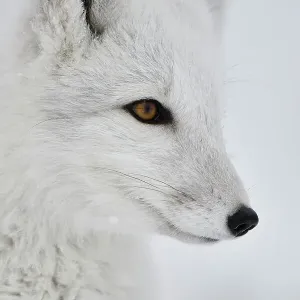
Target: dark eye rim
163 115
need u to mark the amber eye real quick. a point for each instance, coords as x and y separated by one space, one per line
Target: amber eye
149 111
145 110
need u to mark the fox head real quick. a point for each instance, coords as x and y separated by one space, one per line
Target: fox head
130 136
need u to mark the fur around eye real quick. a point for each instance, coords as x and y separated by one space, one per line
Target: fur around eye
149 111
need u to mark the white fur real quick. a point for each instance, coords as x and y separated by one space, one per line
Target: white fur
83 183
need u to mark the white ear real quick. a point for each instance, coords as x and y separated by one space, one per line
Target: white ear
59 28
101 13
218 9
217 4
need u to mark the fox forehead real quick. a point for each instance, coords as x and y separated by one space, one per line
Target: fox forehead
168 31
152 51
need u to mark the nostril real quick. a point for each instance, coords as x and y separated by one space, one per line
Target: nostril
242 221
241 227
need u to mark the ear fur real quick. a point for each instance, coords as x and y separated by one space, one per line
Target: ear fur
59 29
218 9
100 13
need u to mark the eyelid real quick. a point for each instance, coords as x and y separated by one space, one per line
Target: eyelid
164 114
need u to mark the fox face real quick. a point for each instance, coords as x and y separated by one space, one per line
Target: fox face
132 124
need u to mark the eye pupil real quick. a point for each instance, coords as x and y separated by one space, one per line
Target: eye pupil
148 108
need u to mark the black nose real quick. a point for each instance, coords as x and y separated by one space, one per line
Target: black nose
242 221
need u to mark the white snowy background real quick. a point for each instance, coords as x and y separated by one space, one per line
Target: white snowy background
262 125
263 137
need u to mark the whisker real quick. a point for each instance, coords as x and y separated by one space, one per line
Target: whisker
166 184
130 176
162 183
182 193
232 67
147 188
49 120
230 81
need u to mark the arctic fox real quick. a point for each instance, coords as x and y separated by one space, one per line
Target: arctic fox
110 132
